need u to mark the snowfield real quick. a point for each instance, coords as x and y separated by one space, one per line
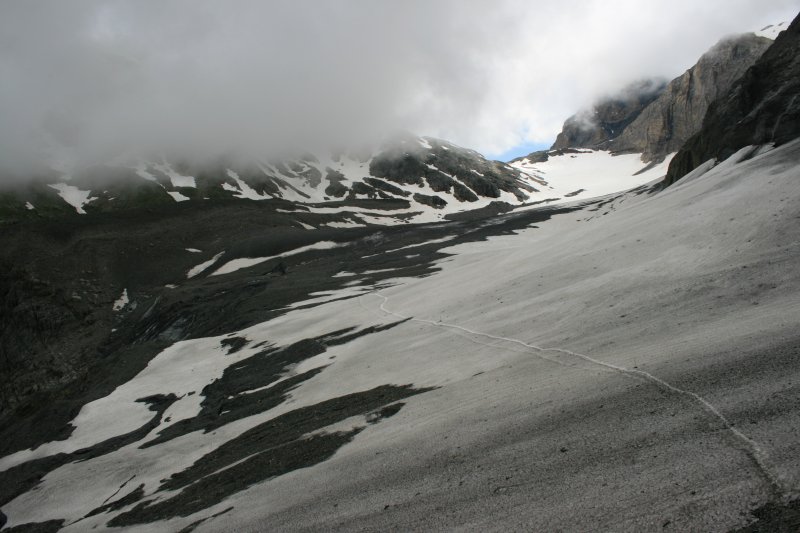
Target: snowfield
631 364
589 174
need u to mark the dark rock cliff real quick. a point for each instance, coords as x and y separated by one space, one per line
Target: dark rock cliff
609 117
678 112
656 119
762 107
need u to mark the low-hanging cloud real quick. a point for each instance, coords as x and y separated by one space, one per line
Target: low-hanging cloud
190 77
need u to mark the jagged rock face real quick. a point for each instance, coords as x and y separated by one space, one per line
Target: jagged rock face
762 107
655 120
609 117
678 112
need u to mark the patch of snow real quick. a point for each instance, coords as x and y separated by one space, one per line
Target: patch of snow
432 241
306 226
177 180
193 250
598 173
29 206
73 196
381 271
142 172
122 301
347 223
244 190
178 197
322 297
244 262
203 266
772 31
424 143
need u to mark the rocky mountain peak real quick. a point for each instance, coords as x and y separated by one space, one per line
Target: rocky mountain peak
607 118
762 107
656 119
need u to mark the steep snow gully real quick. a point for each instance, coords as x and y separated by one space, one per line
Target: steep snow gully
753 450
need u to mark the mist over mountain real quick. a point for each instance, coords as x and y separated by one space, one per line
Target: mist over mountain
97 80
655 118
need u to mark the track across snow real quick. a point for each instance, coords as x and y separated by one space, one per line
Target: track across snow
752 448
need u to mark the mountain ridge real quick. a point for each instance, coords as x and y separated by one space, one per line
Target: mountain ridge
421 179
659 118
762 108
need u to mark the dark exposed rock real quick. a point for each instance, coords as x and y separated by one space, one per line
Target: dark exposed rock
234 344
678 112
51 526
433 201
464 194
359 187
445 168
775 517
608 117
132 497
655 119
387 187
762 107
335 187
24 476
282 444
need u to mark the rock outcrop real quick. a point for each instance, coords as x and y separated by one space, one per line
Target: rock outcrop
762 107
609 117
654 119
678 112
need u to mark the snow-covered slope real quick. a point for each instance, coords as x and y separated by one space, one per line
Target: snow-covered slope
418 179
633 370
580 174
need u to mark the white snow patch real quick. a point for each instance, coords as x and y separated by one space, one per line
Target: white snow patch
202 266
772 31
177 180
346 223
381 271
432 241
330 296
29 206
244 262
244 190
122 301
193 250
593 173
178 197
73 196
142 172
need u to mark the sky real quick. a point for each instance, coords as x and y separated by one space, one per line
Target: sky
198 77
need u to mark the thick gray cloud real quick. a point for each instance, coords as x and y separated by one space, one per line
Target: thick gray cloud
202 77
